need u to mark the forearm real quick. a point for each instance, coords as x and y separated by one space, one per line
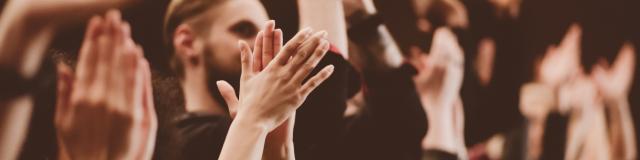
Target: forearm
622 135
278 151
245 140
14 121
23 44
326 15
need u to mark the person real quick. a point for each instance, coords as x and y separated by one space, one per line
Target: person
100 115
201 43
269 96
438 83
20 58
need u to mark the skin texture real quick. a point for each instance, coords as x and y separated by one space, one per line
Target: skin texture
105 110
270 96
23 19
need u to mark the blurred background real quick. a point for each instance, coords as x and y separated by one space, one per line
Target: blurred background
520 31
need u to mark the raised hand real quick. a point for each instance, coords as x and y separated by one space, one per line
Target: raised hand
270 96
105 110
615 82
563 62
268 43
273 93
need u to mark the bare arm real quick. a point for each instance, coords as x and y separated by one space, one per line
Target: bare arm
326 15
270 96
621 133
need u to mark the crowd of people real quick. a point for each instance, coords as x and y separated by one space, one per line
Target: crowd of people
320 79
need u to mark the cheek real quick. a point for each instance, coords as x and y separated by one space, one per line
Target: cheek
226 55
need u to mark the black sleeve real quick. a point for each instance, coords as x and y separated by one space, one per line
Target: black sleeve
555 137
392 124
438 155
395 105
201 136
320 120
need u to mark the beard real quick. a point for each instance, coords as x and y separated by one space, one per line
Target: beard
214 74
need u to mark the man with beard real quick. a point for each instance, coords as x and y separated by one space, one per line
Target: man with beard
203 36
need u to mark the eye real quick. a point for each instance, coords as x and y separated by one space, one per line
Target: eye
244 29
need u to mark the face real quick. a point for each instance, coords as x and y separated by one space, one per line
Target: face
233 21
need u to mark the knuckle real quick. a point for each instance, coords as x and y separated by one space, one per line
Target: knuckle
308 67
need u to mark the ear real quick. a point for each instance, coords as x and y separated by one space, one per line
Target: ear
184 41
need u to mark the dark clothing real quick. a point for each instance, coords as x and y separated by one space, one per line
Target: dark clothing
392 124
553 141
40 142
201 136
319 122
438 155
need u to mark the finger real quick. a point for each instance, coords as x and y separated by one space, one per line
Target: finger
257 53
116 34
64 88
86 68
416 57
245 59
277 41
312 62
267 43
625 61
307 48
316 80
148 88
131 84
573 35
149 112
109 46
292 46
126 30
229 95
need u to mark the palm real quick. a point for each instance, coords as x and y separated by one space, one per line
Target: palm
615 82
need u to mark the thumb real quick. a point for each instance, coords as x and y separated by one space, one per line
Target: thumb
64 85
229 95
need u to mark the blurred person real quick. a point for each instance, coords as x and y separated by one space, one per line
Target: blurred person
105 109
438 83
25 34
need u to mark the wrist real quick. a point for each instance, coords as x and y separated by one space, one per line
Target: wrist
252 122
278 151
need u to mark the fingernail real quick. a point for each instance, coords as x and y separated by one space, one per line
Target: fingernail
324 34
326 45
331 68
306 31
240 44
219 83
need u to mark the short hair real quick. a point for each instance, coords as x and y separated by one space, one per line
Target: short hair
185 11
